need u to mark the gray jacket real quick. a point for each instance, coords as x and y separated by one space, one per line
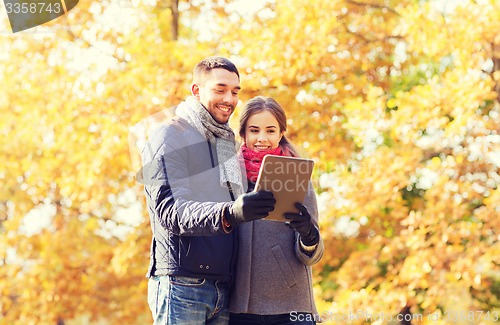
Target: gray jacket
273 274
185 204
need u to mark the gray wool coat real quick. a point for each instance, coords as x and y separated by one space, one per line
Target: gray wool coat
273 274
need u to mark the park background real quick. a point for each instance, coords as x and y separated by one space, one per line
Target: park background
396 100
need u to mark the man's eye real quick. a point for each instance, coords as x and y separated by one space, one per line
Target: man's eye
219 91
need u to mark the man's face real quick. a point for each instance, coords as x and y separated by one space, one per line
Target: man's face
219 93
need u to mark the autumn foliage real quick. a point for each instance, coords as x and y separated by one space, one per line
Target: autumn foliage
398 101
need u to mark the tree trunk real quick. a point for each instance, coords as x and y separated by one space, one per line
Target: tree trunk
405 320
495 57
174 8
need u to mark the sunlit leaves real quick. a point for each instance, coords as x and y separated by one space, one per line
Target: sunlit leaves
396 100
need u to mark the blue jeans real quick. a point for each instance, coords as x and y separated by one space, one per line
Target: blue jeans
280 319
180 300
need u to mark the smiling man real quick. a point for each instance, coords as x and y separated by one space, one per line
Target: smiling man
195 197
217 90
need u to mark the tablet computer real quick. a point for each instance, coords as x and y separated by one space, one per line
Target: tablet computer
288 179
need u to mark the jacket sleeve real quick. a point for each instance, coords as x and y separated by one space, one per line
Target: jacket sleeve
166 177
311 204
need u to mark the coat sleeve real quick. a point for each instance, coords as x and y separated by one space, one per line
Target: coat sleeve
311 204
169 193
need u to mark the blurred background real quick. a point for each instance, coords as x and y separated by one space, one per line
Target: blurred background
396 100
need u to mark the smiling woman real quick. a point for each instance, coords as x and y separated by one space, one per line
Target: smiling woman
262 122
263 132
277 255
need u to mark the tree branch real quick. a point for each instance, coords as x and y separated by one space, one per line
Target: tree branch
372 5
90 45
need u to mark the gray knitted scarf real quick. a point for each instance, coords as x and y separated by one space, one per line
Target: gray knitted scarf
196 115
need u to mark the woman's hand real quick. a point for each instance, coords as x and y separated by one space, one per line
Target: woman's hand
301 223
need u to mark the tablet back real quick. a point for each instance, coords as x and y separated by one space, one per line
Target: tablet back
288 178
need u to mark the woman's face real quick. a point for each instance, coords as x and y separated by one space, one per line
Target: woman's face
262 132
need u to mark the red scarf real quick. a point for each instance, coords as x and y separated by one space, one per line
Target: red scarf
253 160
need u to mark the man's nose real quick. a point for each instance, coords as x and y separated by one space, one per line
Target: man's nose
228 97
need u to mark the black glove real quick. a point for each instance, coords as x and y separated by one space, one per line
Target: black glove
249 207
301 223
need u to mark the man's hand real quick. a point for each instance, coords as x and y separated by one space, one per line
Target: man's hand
249 207
301 223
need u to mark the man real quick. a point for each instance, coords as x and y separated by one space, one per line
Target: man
195 197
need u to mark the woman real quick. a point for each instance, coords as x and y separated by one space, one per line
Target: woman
273 282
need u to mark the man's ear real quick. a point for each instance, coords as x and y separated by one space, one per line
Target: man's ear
195 90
